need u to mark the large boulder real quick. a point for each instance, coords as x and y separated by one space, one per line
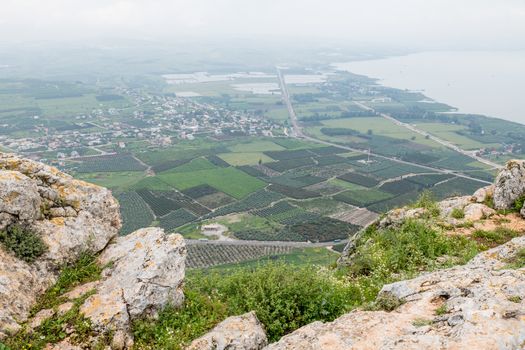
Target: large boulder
476 306
70 216
145 272
510 184
243 332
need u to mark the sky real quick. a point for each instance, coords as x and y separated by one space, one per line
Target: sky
440 23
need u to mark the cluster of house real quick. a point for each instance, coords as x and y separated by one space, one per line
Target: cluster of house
156 119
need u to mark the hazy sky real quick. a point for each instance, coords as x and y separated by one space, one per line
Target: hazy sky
488 23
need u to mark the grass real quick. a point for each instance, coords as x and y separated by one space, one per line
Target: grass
441 310
231 181
421 322
458 213
517 261
495 237
84 270
53 329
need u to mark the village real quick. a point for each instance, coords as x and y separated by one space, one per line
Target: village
156 120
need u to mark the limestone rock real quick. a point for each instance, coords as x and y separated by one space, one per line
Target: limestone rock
63 345
477 211
33 194
145 272
19 197
510 184
448 205
398 216
40 317
480 312
243 332
483 194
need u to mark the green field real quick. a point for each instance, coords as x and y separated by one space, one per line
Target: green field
245 158
449 133
116 181
379 126
228 180
255 145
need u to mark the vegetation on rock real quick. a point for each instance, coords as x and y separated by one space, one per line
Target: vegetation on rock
61 325
23 243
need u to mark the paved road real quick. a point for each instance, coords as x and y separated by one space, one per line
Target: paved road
443 142
297 131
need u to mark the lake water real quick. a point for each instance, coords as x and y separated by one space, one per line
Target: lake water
489 83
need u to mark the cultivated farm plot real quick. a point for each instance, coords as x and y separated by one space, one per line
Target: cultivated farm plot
289 164
360 216
451 133
134 211
324 206
176 219
245 158
215 200
207 255
256 200
429 180
358 179
231 181
362 198
287 155
399 187
159 204
379 126
118 162
398 170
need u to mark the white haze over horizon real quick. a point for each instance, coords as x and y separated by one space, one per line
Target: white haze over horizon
408 24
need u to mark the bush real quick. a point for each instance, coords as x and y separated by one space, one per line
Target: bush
426 201
518 203
406 250
23 243
284 298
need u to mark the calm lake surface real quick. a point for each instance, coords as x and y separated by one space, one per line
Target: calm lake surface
489 83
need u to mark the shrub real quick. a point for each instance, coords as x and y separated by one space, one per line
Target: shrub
426 201
284 298
23 243
406 250
175 328
515 299
457 213
518 203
